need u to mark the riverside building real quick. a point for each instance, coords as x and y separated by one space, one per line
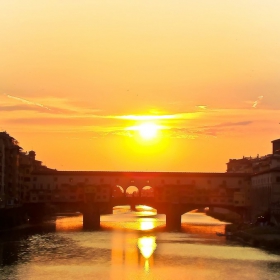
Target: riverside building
265 180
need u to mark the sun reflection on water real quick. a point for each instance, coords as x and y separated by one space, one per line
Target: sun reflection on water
147 245
147 224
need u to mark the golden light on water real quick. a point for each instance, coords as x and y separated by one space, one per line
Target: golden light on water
145 207
147 246
147 224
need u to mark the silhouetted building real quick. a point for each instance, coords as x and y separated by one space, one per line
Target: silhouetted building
256 164
16 167
9 188
276 146
265 178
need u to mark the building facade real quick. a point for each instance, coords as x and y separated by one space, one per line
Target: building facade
16 168
205 189
265 190
265 178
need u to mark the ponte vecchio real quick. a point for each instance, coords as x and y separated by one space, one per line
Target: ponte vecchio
170 193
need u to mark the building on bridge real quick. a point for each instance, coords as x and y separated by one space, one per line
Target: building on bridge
198 189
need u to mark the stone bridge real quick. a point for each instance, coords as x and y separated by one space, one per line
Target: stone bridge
170 193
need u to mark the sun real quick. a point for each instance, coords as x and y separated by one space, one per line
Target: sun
148 130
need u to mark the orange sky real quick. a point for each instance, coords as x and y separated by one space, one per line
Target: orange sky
76 75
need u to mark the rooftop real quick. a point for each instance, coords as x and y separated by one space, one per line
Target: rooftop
139 173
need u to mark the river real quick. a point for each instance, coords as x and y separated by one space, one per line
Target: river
132 245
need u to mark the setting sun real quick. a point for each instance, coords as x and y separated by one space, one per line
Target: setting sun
148 130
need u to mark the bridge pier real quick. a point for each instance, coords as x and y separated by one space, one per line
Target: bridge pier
91 214
173 218
132 207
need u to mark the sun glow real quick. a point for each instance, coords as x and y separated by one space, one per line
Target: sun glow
148 130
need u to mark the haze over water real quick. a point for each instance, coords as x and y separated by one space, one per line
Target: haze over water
132 245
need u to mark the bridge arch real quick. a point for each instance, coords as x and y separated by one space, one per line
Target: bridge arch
132 191
117 191
147 191
232 209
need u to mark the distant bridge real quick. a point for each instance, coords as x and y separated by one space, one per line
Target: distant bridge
171 193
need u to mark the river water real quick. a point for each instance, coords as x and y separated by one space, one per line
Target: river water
132 245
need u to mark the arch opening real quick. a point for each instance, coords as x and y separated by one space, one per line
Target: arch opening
132 191
118 191
147 191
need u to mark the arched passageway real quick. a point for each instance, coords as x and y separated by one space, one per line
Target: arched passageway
147 191
118 191
132 191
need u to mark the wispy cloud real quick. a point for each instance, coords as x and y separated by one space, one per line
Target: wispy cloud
258 101
182 116
227 124
203 107
27 101
61 106
211 130
34 108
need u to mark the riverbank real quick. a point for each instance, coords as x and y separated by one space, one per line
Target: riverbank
257 236
267 237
